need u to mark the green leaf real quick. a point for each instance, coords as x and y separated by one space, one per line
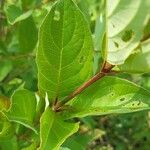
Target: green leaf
110 95
138 62
84 7
27 35
125 21
6 128
100 29
2 47
9 144
64 56
40 107
7 131
4 103
146 30
100 39
23 108
33 146
54 131
78 142
14 14
5 68
64 148
27 4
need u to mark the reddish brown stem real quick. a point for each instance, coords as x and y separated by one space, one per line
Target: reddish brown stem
105 70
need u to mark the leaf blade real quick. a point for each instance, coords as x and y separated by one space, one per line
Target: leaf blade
27 35
110 95
64 56
54 131
139 61
124 35
23 108
14 14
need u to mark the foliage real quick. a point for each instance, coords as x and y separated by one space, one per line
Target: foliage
64 62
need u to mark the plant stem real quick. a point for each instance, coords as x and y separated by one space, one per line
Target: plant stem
105 70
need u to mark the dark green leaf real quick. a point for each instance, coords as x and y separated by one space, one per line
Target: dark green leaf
14 14
9 144
5 68
27 35
26 4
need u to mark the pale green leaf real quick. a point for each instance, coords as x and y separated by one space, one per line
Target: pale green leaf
138 62
64 54
54 131
125 24
23 108
110 95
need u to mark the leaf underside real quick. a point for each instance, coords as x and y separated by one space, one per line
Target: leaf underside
125 21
